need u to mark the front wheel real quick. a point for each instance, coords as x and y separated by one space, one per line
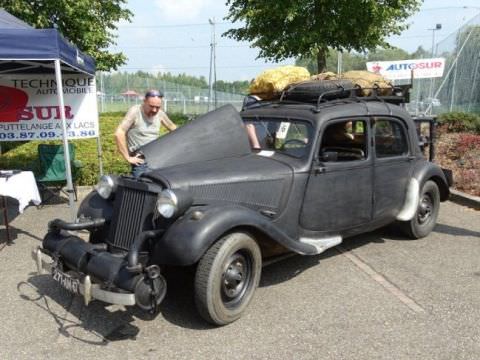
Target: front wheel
426 215
226 278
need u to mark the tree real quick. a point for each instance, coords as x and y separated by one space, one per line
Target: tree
350 61
421 53
353 60
390 54
89 24
293 28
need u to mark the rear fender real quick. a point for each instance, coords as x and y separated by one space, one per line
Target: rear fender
188 238
426 170
423 172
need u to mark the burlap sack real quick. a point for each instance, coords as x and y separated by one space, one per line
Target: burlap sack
364 79
368 80
325 76
270 83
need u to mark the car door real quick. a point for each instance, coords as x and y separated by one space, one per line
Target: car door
392 166
338 194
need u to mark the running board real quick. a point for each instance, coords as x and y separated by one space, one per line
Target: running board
322 244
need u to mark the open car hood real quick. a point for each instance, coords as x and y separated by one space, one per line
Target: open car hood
234 170
215 135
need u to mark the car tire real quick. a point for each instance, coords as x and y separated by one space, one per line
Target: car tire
426 215
226 278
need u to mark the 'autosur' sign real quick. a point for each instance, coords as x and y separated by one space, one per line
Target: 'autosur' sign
29 107
402 69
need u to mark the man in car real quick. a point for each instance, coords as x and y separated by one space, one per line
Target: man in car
140 126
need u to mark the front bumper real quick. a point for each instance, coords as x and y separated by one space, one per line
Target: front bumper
97 271
88 290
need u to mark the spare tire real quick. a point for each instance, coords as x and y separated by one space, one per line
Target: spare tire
310 91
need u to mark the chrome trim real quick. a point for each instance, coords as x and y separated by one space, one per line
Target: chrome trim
106 183
167 197
87 295
322 244
87 289
411 201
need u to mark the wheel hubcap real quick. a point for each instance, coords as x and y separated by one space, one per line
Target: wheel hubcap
235 278
425 209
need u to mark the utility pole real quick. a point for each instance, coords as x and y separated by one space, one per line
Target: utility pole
102 93
213 67
339 62
437 27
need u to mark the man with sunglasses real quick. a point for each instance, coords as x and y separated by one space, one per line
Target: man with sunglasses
140 126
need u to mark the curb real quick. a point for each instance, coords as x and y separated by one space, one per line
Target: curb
464 199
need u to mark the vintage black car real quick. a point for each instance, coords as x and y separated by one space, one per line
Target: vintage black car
215 203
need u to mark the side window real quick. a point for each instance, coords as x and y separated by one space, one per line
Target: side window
285 136
344 140
390 138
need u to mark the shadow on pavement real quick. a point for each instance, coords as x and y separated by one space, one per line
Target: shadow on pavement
98 324
14 233
178 306
456 231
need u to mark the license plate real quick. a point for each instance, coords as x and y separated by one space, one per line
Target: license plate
66 281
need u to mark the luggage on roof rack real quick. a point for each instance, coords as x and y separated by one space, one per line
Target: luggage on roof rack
293 83
317 91
309 91
270 83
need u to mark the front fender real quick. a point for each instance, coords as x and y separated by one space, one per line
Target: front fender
94 207
187 239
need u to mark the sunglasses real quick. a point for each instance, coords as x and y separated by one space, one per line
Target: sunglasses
153 93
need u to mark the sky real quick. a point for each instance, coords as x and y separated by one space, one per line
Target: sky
175 36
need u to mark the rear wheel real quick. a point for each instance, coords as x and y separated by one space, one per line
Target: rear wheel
226 278
426 215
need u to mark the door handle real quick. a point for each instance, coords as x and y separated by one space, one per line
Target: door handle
319 170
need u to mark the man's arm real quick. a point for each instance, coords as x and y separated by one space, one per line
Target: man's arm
121 140
167 122
252 136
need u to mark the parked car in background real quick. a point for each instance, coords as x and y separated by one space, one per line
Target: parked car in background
433 101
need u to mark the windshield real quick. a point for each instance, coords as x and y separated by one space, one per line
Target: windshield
286 136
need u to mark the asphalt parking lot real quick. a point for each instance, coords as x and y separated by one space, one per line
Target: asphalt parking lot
377 296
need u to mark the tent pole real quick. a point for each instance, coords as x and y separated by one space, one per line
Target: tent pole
99 154
99 144
58 77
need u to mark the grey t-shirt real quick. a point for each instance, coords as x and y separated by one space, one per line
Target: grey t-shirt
141 129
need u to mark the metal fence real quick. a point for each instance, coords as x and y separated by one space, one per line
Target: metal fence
459 88
178 98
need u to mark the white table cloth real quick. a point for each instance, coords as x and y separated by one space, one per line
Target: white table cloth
21 186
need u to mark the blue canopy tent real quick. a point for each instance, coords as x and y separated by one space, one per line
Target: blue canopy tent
26 50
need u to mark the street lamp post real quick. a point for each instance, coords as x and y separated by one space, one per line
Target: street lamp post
433 53
213 67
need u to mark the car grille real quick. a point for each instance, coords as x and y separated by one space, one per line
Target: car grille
132 214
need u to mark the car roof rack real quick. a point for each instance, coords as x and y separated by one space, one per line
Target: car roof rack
399 94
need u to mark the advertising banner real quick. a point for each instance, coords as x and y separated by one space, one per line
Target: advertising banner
29 107
402 69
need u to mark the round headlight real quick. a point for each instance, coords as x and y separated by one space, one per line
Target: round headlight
167 203
105 186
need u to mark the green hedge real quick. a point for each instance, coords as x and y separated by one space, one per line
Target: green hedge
460 122
25 156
